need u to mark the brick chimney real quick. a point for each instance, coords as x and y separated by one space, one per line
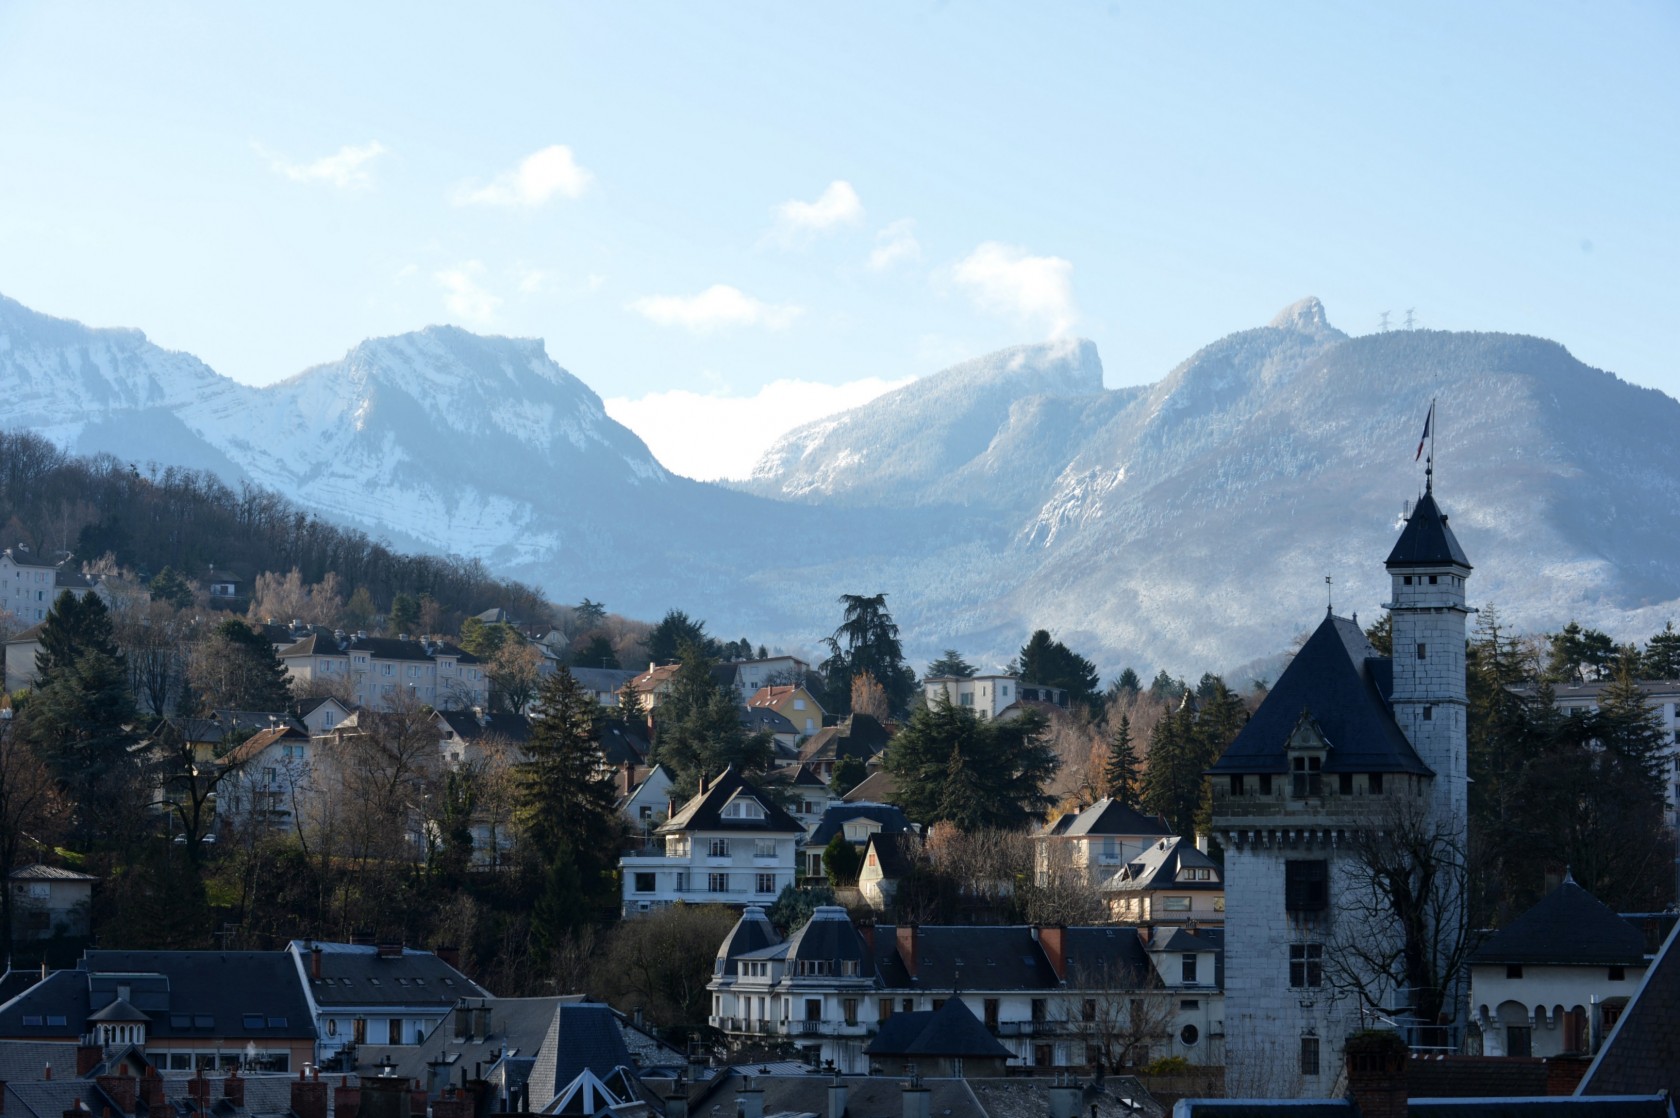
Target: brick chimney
450 954
151 1091
629 777
451 1105
1050 941
76 1110
909 939
347 1100
309 1096
120 1089
417 1101
198 1090
315 960
1376 1071
88 1057
233 1089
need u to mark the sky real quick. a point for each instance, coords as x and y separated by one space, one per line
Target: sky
728 219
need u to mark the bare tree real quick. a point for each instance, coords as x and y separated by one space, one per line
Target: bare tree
1061 892
1402 927
31 810
1120 1014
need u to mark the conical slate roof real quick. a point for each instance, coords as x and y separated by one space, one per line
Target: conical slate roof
1569 927
1427 541
118 1010
950 1030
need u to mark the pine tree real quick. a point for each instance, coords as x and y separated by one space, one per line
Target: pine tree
867 641
950 664
1121 774
1662 654
698 731
76 624
948 764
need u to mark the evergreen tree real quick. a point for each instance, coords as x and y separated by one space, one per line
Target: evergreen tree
236 668
1121 774
1381 634
1125 686
598 653
1165 688
589 614
74 626
1172 781
168 586
867 641
841 862
951 765
1662 654
675 632
950 664
848 773
1054 664
698 731
1577 655
405 614
565 806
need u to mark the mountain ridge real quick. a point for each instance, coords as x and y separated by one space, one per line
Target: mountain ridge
1187 523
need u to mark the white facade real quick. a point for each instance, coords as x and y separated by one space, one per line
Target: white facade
986 695
1537 1010
27 586
382 673
707 867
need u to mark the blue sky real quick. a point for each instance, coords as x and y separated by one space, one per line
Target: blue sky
725 218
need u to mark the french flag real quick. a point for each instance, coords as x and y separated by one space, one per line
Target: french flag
1428 422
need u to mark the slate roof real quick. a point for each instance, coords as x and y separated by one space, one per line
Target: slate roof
1109 957
798 1093
580 1036
829 934
1427 541
878 787
356 975
894 852
705 811
1159 866
1337 679
182 994
859 735
1642 1053
752 932
1108 817
619 745
836 816
971 956
601 679
950 1030
763 720
1568 927
517 1029
379 648
469 726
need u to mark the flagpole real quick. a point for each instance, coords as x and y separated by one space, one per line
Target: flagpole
1429 466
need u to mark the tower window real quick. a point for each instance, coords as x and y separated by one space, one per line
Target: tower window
1265 784
1309 1055
1408 580
1308 780
1432 580
1429 714
1423 651
1306 885
1345 784
1236 784
1374 782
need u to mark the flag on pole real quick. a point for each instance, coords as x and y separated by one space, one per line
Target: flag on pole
1428 421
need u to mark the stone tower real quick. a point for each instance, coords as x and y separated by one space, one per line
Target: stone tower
1427 608
1347 742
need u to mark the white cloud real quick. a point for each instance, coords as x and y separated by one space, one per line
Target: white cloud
716 307
838 205
347 168
1004 279
463 294
719 436
539 177
895 243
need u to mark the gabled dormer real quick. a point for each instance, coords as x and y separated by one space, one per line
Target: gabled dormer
1307 750
119 1023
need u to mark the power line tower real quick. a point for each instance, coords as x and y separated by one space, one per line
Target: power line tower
1384 322
1409 319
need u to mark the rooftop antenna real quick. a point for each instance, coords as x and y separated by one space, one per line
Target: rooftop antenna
1385 322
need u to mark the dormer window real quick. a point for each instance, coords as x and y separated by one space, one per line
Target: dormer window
743 809
1309 781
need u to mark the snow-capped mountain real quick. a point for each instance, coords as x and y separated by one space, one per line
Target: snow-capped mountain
1188 524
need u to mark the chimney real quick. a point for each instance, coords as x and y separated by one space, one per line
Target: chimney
151 1093
46 1073
702 784
463 1022
836 1097
1376 1074
88 1057
417 1101
1050 942
481 1022
315 960
384 1096
309 1096
1064 1096
121 1089
909 939
670 808
347 1100
233 1089
749 1100
198 1090
451 1105
76 1110
629 777
915 1098
1202 841
676 1104
450 954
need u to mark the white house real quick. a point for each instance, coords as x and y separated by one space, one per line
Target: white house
986 695
1098 841
1553 981
1170 883
730 844
1055 997
384 672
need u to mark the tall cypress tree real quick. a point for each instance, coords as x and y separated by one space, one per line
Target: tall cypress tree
1121 774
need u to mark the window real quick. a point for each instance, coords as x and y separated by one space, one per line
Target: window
966 699
1093 1055
252 1021
1432 579
1407 580
1038 1005
1236 784
799 704
645 882
909 1005
1308 781
1042 1055
1519 1040
1344 784
1176 904
1374 783
744 809
764 883
1088 1010
1617 974
849 1007
720 848
1187 969
1513 970
396 1030
1309 1055
1189 1035
1306 965
764 848
1265 784
886 1008
1306 885
1423 651
1190 1003
1429 714
717 883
